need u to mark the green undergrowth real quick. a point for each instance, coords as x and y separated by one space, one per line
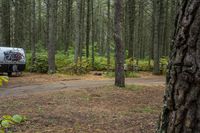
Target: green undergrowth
65 64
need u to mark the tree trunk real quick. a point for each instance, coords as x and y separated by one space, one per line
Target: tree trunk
93 33
19 23
119 57
131 17
181 113
6 22
88 29
33 31
78 31
52 5
108 36
156 68
68 25
39 37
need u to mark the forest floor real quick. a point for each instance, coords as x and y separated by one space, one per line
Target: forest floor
86 104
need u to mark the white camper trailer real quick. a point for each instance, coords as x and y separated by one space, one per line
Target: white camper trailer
12 60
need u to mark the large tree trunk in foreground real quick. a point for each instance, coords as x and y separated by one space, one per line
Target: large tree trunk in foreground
181 111
119 57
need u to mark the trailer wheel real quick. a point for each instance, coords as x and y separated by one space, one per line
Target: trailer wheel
9 74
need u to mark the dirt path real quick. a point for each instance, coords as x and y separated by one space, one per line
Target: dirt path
27 89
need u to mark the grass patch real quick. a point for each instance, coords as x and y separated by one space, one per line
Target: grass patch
127 74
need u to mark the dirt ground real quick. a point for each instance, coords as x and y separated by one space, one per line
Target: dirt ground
95 110
107 109
34 79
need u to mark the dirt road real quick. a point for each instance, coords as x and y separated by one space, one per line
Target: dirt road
29 88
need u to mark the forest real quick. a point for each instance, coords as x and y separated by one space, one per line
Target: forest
81 33
100 66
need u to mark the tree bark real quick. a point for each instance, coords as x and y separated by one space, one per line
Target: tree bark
156 68
181 112
119 49
33 33
52 5
108 36
6 22
93 33
88 29
131 17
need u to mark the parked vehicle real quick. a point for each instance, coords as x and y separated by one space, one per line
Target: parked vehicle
12 60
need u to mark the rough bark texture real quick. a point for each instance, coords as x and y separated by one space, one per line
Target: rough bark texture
181 113
119 57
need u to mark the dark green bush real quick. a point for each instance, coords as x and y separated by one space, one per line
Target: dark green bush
40 66
82 67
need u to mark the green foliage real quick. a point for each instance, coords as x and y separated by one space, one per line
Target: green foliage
163 64
7 122
40 66
82 67
65 64
100 64
127 74
139 65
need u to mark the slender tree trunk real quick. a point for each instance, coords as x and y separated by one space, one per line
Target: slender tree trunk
39 37
88 29
166 30
33 33
52 5
68 25
78 31
131 16
156 68
5 17
93 33
108 36
161 23
141 29
120 56
181 112
19 23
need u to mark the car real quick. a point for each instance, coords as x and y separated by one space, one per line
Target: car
12 60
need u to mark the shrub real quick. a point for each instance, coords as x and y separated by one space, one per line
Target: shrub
40 65
163 64
82 67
